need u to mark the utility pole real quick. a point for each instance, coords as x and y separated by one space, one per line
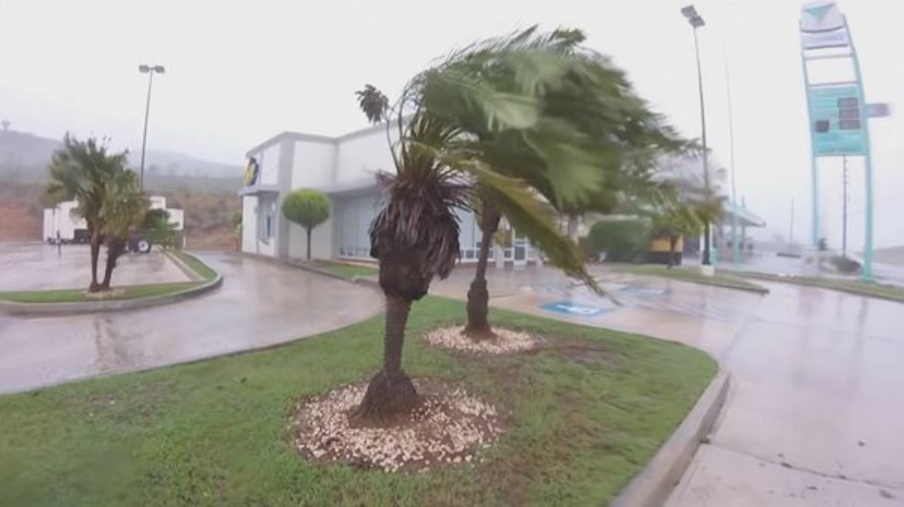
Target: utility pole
696 21
735 244
791 228
844 205
150 70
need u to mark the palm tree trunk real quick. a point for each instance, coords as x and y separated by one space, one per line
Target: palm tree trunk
95 254
114 249
673 240
309 243
478 327
390 392
572 226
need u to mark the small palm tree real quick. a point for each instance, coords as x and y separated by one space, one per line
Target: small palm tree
80 171
123 210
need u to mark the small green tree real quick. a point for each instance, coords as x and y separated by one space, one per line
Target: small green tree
307 208
623 240
159 229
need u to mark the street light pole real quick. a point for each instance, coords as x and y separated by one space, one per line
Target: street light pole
696 22
150 70
735 244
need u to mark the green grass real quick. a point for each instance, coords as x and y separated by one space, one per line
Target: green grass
79 295
345 270
203 270
692 275
128 291
870 289
584 415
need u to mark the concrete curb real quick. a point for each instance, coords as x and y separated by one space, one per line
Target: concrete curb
187 271
360 280
654 484
51 309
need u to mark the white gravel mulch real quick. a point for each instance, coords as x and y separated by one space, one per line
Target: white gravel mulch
447 428
506 341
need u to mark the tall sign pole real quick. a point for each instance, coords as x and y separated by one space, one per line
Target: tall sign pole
839 125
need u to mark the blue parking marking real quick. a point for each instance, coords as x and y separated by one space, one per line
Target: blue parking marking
574 309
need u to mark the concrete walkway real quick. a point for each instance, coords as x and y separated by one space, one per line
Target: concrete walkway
260 304
815 416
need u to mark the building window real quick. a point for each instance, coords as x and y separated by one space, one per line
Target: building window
469 237
354 217
266 213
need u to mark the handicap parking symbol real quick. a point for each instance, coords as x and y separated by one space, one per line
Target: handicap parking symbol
573 309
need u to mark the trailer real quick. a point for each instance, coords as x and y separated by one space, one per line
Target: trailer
61 225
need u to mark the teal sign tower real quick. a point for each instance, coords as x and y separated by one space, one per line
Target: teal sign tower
837 109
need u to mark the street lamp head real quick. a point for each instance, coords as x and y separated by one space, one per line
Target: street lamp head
692 16
144 69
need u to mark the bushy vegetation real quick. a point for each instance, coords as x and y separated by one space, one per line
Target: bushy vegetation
621 240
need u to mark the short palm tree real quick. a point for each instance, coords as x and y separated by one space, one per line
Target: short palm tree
81 171
455 132
123 210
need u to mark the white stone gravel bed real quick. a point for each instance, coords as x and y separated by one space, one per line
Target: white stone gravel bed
507 341
447 428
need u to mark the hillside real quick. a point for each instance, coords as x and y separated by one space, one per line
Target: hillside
205 190
24 157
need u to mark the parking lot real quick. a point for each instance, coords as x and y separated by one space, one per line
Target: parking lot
260 304
39 266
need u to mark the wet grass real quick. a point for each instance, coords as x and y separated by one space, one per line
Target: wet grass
870 289
691 275
584 414
344 269
195 264
122 292
80 295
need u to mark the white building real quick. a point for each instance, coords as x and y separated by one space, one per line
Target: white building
344 169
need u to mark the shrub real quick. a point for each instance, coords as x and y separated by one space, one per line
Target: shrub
621 240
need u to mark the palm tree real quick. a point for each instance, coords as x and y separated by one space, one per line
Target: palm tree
569 127
414 237
124 209
81 171
452 130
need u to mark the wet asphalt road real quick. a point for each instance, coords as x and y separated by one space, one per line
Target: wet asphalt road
259 304
815 415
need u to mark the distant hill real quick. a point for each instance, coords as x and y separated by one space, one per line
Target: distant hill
25 156
205 190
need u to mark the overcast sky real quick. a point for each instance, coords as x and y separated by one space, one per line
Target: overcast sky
240 72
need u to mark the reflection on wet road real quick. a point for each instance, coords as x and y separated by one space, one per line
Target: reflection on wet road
259 304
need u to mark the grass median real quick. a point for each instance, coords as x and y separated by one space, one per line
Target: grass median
870 289
691 275
584 414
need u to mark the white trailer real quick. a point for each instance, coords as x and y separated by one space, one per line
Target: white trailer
62 225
